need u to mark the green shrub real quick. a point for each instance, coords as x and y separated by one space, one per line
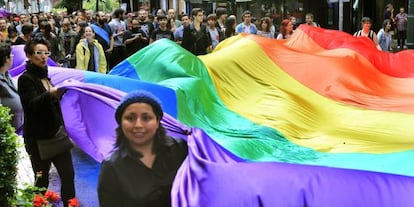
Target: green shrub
8 158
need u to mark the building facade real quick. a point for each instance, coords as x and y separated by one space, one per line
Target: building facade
36 6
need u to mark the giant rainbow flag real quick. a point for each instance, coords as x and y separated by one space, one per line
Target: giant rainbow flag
321 119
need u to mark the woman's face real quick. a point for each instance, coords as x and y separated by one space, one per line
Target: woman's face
264 25
40 55
366 25
8 63
89 33
35 20
139 124
388 26
289 27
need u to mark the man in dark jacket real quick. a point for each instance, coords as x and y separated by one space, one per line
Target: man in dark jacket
195 36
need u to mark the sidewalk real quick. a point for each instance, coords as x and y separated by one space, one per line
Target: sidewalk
86 176
24 168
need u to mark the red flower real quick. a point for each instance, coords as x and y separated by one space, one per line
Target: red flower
51 196
73 202
38 201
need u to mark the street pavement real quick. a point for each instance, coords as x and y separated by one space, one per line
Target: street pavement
86 176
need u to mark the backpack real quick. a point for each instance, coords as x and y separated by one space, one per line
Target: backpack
370 34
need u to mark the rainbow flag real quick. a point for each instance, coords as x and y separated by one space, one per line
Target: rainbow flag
321 119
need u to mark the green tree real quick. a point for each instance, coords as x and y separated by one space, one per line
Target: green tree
103 5
8 158
74 5
70 6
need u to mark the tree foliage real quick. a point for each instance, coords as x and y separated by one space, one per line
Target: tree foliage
8 158
74 5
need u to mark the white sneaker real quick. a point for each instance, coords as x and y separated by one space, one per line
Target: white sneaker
398 47
405 47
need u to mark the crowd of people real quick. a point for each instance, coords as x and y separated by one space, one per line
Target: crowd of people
99 41
112 37
393 25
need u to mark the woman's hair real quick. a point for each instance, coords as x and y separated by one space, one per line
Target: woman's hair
139 96
46 27
212 17
267 21
365 19
385 23
118 13
5 51
12 30
29 47
82 25
283 26
32 17
27 28
229 27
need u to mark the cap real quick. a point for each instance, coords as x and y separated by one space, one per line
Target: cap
139 96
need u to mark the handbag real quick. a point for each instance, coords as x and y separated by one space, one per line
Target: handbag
60 143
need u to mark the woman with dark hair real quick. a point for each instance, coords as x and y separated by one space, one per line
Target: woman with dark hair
230 27
80 29
11 35
43 119
264 28
34 19
384 36
286 29
141 170
27 30
8 91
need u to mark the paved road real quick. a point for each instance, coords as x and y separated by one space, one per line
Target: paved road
86 176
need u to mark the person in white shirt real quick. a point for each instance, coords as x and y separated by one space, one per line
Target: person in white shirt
216 34
246 26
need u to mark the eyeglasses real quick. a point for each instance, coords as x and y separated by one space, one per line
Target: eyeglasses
47 53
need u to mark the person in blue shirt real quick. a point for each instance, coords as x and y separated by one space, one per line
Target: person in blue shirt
246 26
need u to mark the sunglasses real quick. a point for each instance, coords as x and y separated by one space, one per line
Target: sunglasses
47 53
